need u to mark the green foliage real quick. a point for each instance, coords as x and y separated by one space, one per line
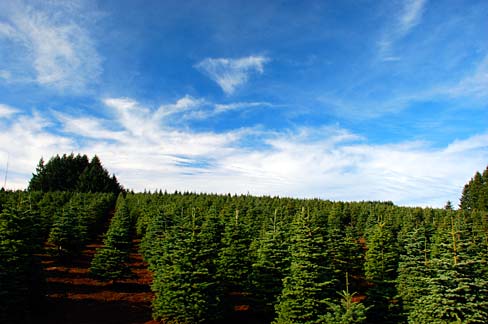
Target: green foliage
457 289
79 220
306 288
111 262
65 233
20 278
413 269
346 311
380 266
271 265
234 264
95 178
73 173
185 282
475 193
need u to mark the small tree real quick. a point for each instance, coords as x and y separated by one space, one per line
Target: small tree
111 262
347 311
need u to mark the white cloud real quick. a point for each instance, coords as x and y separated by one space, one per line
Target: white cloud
327 162
50 46
240 105
7 111
89 127
231 73
24 141
216 109
475 85
180 106
409 16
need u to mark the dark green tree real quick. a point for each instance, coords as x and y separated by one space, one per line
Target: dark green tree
475 193
111 262
185 282
381 270
414 269
234 264
21 282
456 293
95 178
271 265
306 289
347 310
73 173
65 234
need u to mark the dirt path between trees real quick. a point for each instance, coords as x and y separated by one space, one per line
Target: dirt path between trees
73 297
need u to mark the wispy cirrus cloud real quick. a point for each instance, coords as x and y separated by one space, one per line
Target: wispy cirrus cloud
48 46
228 73
6 111
309 162
474 84
410 14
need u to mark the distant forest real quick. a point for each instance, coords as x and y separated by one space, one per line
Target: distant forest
286 260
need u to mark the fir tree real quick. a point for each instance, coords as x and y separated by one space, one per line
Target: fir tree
271 265
111 262
414 269
64 232
347 311
184 283
456 293
234 263
380 269
305 295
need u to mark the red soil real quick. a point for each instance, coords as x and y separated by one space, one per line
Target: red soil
73 297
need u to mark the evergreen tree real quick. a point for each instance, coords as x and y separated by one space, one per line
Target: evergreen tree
347 311
380 269
271 265
456 293
343 246
184 283
475 193
73 173
306 289
154 239
111 262
95 178
414 269
21 282
234 263
64 234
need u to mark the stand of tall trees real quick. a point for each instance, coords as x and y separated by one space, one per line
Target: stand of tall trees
73 173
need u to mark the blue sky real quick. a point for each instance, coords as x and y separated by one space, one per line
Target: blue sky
343 100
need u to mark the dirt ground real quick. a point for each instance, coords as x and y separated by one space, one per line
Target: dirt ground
74 297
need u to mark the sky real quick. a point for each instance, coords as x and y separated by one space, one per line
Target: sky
341 100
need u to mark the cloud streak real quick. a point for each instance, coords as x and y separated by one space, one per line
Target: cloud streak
475 84
409 16
6 111
48 48
230 74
